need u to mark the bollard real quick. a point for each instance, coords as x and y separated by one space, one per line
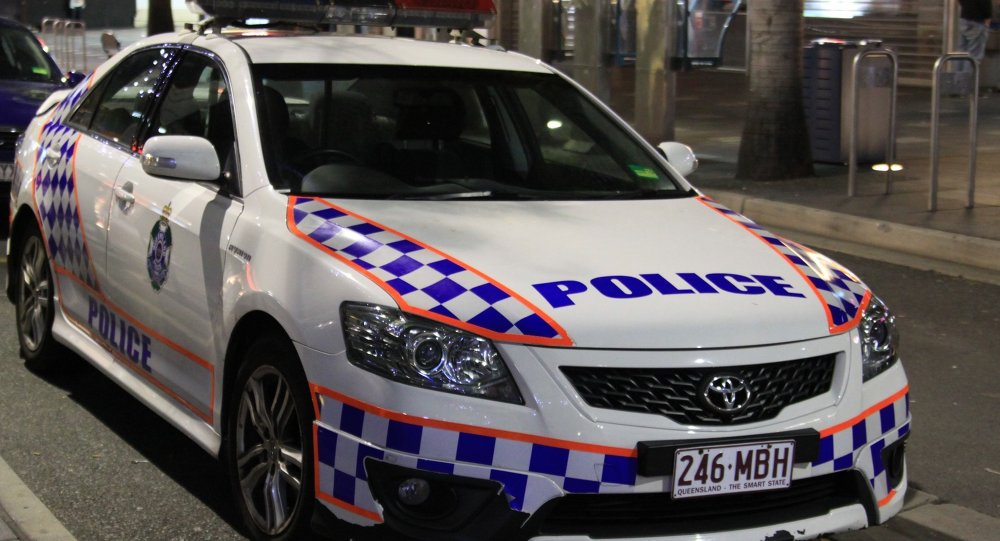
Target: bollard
852 172
936 135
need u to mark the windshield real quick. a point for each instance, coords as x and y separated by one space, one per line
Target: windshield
436 133
22 58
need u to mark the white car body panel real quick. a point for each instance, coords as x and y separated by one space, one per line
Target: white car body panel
676 283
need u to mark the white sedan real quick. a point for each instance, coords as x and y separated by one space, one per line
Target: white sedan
404 288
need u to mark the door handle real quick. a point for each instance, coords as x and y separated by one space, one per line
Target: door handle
125 196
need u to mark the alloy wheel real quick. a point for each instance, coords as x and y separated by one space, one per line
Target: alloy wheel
269 450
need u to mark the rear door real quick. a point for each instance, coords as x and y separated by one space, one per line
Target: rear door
84 146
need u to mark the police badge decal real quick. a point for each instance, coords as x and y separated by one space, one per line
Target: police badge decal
158 251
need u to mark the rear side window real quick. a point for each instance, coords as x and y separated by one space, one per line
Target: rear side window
117 108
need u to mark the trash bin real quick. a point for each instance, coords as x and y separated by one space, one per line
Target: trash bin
826 88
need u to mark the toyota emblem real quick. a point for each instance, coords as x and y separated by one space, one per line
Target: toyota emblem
725 394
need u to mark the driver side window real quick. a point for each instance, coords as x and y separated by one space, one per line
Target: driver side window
196 102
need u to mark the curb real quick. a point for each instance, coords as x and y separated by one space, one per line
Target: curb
952 521
30 520
948 253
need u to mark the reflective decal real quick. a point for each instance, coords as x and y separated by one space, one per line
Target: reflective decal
158 250
559 293
423 280
858 443
533 469
54 191
843 295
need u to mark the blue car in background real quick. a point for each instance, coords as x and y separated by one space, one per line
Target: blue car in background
27 76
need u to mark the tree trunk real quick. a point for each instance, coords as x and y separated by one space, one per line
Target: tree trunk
161 18
775 142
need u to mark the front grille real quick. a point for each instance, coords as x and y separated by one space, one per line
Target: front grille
674 392
652 514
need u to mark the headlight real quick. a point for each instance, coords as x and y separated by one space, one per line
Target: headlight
421 352
879 339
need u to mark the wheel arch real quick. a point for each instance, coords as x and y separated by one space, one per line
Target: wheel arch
24 219
249 327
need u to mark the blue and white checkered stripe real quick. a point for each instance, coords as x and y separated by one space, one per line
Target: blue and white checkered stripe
841 291
532 473
55 192
845 448
421 279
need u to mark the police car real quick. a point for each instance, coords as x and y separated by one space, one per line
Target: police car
422 290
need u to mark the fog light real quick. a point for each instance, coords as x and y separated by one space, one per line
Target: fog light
414 491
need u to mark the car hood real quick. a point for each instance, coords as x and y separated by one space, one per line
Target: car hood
651 274
19 100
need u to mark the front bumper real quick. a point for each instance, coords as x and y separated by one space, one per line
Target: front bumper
537 457
529 474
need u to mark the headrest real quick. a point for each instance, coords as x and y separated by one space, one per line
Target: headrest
276 110
429 113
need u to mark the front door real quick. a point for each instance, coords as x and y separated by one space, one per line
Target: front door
166 246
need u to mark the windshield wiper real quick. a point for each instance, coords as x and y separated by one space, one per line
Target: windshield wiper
644 194
483 194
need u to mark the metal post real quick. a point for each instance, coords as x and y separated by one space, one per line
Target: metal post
77 30
936 120
852 172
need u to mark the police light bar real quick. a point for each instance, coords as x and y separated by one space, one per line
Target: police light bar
462 14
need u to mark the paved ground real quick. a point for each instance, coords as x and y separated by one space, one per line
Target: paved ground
954 239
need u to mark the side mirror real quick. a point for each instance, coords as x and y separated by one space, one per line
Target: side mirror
74 78
680 156
183 157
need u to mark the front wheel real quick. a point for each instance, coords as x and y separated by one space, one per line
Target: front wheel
35 303
269 442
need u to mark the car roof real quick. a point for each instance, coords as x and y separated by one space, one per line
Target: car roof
324 48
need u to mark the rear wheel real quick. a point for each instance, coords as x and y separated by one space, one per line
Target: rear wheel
269 442
35 303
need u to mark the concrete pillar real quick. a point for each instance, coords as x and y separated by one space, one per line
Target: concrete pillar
504 30
534 30
655 84
590 57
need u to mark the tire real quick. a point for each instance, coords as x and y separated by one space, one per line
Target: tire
35 304
268 445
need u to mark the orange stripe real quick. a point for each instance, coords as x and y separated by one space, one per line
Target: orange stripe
526 339
471 429
884 501
857 418
348 507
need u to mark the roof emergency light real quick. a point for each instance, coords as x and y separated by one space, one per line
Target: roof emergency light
462 14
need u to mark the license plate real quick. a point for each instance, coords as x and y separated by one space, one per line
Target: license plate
6 171
711 471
